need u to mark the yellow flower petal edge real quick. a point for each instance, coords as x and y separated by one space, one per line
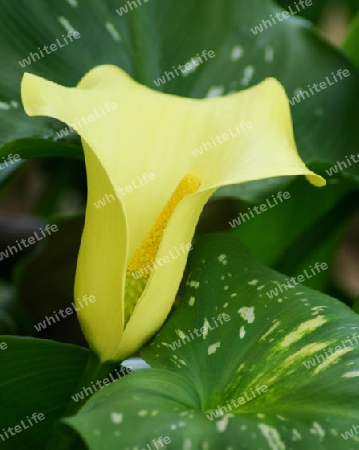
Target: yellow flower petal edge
153 160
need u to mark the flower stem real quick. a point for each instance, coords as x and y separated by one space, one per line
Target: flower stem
64 437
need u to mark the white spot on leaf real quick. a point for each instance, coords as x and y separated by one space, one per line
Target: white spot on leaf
187 445
317 429
247 314
215 91
213 348
222 424
223 259
207 327
247 75
110 27
195 62
73 3
237 52
268 56
66 24
116 417
242 332
296 435
4 106
353 374
191 301
272 436
181 334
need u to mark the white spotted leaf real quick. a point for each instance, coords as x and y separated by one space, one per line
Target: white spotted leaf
269 367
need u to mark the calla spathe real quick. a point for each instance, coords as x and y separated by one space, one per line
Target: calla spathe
152 132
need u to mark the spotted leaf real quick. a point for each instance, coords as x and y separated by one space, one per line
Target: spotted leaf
233 365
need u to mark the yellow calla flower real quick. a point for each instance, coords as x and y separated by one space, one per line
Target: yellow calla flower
144 162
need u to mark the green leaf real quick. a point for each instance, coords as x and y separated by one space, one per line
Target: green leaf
151 398
306 228
290 231
255 355
29 148
313 12
351 43
37 376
